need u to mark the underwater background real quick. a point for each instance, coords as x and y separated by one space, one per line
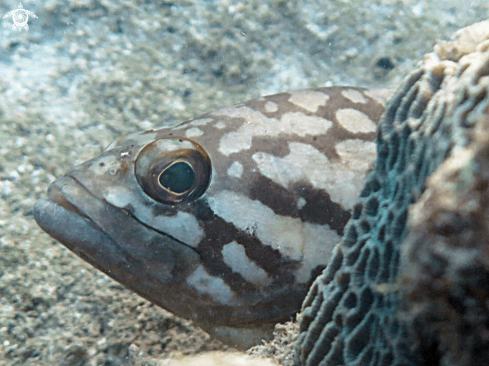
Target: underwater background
87 72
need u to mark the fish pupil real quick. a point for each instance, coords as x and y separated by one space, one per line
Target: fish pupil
178 178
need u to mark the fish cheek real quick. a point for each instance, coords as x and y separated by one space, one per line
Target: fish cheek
165 264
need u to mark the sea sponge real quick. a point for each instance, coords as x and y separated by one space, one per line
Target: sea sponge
351 314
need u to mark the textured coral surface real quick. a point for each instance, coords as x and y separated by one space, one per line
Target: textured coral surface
445 265
351 315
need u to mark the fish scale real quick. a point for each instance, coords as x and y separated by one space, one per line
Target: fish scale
225 219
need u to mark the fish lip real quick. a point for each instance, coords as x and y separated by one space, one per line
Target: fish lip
84 223
67 224
57 197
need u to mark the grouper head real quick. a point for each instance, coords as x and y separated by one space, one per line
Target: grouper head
225 219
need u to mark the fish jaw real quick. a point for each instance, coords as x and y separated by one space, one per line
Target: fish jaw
148 262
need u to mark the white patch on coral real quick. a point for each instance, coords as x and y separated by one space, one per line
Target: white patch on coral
271 107
354 120
292 237
257 124
308 99
354 95
194 132
301 202
210 285
236 169
342 180
234 255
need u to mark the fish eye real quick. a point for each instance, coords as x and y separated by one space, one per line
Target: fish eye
173 170
178 177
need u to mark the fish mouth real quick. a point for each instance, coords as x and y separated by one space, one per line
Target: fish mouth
63 221
112 240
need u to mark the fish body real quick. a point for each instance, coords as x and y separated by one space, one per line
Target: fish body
225 219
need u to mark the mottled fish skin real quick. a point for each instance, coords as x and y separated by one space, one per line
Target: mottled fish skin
227 218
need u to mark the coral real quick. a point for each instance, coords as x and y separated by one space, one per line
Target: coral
351 314
281 347
445 259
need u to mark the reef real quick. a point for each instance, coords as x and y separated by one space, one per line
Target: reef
360 311
445 259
